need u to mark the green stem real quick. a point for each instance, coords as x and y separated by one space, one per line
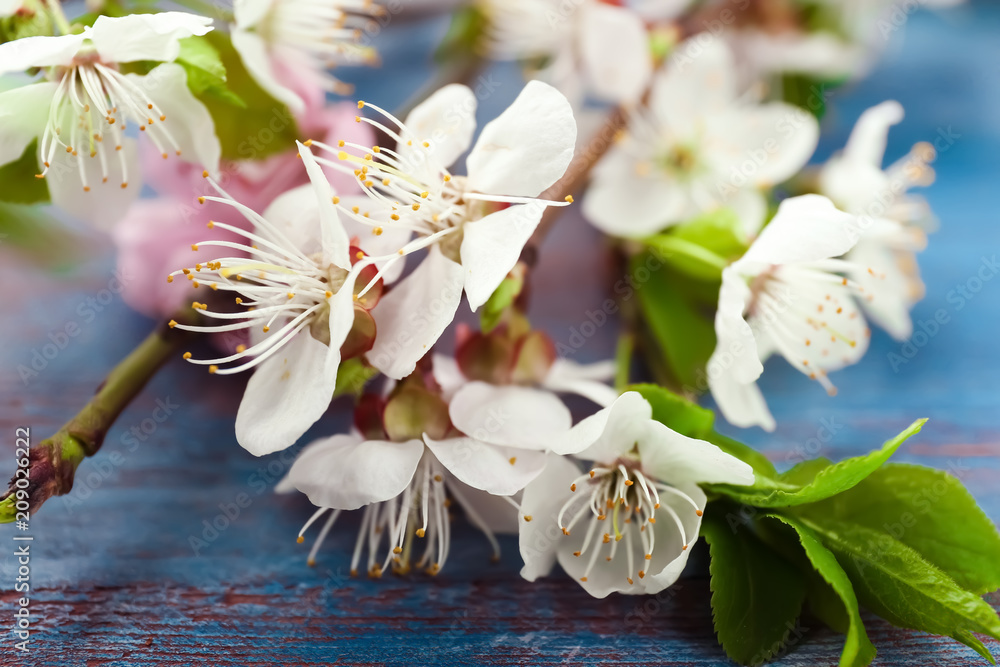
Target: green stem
623 360
53 462
56 11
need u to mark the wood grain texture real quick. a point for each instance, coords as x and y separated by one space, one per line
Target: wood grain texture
119 583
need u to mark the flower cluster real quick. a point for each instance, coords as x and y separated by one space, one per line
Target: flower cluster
325 249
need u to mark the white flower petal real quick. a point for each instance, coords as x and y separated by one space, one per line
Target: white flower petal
735 350
805 229
286 395
750 207
22 54
447 121
248 13
589 381
608 433
488 467
496 512
514 416
615 49
528 147
23 114
336 245
699 79
867 142
346 473
669 555
106 203
766 144
605 577
853 186
188 120
145 36
814 346
621 202
677 459
893 291
660 10
491 247
414 313
342 314
736 364
382 245
448 374
9 7
741 403
257 59
296 215
540 538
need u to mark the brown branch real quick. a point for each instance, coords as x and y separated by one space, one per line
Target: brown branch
53 462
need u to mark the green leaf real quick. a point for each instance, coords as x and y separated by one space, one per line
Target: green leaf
929 511
18 181
688 257
206 74
858 650
264 127
677 412
703 247
811 482
720 231
897 583
756 594
501 299
681 323
352 376
808 92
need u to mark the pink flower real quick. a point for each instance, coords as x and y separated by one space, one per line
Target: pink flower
156 235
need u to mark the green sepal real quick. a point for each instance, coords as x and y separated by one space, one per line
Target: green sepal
352 376
502 299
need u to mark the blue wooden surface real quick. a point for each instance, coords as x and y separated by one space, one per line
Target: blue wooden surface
119 583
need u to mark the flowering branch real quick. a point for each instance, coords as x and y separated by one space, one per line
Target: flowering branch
53 462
